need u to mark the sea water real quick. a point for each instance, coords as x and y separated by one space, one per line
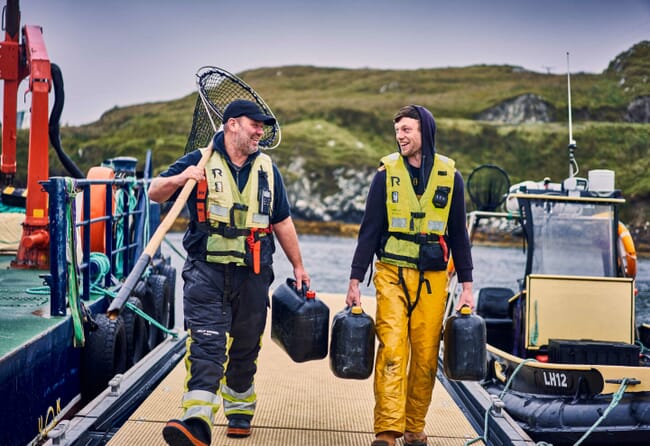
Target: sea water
327 260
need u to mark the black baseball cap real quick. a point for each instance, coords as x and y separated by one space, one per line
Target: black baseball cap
242 107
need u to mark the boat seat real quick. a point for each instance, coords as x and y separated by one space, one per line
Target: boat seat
493 302
494 307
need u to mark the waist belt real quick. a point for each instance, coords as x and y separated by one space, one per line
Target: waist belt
420 239
234 232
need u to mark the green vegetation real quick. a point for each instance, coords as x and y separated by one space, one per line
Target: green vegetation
333 117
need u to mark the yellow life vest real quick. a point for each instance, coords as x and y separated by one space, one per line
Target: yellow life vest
416 225
235 215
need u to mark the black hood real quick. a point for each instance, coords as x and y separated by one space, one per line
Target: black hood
428 129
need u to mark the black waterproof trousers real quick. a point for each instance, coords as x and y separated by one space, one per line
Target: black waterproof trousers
225 308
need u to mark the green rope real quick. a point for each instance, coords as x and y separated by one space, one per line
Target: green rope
45 289
487 412
6 209
73 276
120 237
615 400
145 316
174 248
535 330
104 265
141 313
147 230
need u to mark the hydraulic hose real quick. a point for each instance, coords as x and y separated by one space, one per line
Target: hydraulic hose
53 127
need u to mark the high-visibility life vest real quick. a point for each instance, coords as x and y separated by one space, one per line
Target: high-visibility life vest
239 219
416 225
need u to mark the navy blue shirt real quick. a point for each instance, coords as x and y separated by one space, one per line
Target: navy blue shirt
195 239
375 218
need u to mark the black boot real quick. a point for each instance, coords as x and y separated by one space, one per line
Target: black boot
188 432
238 427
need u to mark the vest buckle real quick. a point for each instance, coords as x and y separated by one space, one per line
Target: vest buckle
421 238
230 232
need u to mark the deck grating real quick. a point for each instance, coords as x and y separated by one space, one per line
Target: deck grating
298 403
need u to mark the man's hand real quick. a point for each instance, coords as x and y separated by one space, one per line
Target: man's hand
353 298
162 188
301 277
466 296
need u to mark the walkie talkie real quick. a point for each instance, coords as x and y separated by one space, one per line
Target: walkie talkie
263 192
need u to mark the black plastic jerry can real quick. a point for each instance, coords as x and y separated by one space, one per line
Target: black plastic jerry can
352 347
465 355
299 322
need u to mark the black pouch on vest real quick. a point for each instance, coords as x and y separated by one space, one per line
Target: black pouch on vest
432 257
267 249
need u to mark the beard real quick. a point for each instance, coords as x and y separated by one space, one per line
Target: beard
245 145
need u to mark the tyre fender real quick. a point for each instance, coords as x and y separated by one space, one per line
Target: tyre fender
157 304
136 331
103 355
170 272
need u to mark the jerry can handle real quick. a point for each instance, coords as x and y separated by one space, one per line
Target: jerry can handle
465 310
354 309
303 288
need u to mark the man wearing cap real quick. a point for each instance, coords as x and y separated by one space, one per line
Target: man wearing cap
237 207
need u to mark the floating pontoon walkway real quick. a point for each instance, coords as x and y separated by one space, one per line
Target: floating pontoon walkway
298 404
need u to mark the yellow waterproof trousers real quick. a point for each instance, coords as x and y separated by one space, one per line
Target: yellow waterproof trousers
407 357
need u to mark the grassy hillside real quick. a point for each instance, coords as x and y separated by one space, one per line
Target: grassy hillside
338 117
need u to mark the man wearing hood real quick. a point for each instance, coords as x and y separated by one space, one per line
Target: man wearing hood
237 207
413 221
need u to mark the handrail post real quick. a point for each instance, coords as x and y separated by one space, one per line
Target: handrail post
86 242
57 279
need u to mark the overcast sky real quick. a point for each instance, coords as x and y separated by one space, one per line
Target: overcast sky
124 52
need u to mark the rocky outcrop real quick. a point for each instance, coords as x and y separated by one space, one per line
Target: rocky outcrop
525 108
639 110
630 70
345 202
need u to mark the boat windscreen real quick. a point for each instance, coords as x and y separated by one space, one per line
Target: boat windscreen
573 239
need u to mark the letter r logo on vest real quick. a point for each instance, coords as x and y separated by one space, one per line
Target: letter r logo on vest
394 181
216 172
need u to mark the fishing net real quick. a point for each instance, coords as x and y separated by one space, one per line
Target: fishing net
217 88
487 186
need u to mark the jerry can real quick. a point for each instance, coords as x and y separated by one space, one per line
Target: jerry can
299 322
465 355
352 347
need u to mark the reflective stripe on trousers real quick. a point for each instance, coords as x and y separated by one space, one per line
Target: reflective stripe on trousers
239 403
403 387
201 404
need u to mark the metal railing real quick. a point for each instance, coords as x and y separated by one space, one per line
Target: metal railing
61 191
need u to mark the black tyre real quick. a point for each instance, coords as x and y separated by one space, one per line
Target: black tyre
137 332
170 272
103 356
140 290
157 304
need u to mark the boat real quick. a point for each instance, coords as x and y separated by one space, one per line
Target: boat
68 244
565 358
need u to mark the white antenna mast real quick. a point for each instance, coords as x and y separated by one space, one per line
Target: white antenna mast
572 144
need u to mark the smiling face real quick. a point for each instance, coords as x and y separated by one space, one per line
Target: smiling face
409 137
244 137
